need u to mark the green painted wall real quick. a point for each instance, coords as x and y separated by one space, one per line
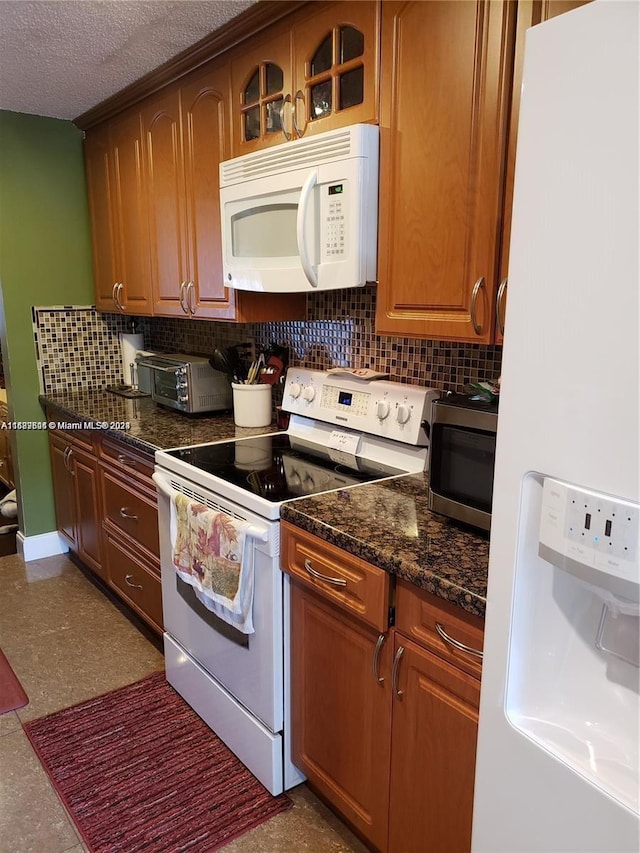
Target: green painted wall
45 259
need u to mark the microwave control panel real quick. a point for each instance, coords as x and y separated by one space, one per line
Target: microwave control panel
334 207
375 406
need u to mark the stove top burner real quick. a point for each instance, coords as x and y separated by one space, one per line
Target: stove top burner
279 466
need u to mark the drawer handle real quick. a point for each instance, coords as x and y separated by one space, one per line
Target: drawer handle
376 658
125 514
127 580
124 460
314 574
456 643
395 671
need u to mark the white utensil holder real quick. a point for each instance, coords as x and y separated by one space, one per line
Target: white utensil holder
251 405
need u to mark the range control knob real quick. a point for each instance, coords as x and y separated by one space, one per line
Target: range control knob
183 398
309 393
295 389
382 409
403 413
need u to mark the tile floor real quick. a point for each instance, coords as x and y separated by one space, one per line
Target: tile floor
67 642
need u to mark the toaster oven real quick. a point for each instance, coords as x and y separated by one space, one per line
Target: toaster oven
187 383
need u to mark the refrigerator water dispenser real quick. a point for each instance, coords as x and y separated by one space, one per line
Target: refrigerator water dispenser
573 678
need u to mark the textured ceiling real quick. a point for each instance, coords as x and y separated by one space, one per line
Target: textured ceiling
59 58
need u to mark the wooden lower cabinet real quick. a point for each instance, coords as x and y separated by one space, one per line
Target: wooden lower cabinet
136 582
107 511
384 723
74 470
341 712
434 734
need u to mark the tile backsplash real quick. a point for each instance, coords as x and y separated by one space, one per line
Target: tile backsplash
79 347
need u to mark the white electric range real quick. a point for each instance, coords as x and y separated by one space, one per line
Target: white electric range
343 431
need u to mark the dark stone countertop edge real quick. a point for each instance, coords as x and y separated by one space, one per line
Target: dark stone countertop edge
425 578
120 434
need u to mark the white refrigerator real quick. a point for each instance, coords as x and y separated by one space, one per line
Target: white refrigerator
557 761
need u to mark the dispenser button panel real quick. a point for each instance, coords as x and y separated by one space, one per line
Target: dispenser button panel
591 528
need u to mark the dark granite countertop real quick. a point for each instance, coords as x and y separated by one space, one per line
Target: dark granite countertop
150 427
390 525
387 524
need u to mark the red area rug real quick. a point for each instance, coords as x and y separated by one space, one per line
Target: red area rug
12 695
140 771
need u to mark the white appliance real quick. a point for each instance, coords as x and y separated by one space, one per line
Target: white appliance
302 215
557 762
342 432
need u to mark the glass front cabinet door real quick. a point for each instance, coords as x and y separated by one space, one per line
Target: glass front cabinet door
314 72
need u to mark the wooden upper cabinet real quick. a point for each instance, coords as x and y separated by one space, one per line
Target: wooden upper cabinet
530 13
117 204
261 92
315 71
335 63
186 136
444 96
97 154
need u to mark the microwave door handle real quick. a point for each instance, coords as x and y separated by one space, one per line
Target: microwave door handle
305 194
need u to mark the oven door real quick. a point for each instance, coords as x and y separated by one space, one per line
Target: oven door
249 667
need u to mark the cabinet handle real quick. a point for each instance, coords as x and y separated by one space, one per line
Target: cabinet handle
113 294
123 460
299 97
500 304
125 514
285 100
395 671
118 294
182 303
456 643
474 299
315 574
376 658
127 580
191 298
68 453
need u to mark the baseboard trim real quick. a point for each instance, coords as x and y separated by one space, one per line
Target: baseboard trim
41 545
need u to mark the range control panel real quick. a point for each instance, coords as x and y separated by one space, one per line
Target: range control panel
375 406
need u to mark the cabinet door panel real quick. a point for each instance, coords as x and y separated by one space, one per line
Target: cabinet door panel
444 89
341 714
131 227
336 52
165 198
100 196
256 101
63 488
88 528
433 757
206 143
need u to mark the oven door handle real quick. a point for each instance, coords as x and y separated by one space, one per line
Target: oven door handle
260 533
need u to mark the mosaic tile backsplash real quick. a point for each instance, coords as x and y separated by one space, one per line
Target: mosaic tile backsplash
79 347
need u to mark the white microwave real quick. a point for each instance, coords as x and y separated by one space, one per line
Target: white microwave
302 215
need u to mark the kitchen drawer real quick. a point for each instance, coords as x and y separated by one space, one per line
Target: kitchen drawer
134 582
131 511
127 459
417 615
348 581
83 438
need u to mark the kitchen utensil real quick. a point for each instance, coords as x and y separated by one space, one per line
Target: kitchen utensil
272 371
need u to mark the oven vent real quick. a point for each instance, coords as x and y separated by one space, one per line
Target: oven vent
198 496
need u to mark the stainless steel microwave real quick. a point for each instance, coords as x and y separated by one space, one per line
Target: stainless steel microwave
462 458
